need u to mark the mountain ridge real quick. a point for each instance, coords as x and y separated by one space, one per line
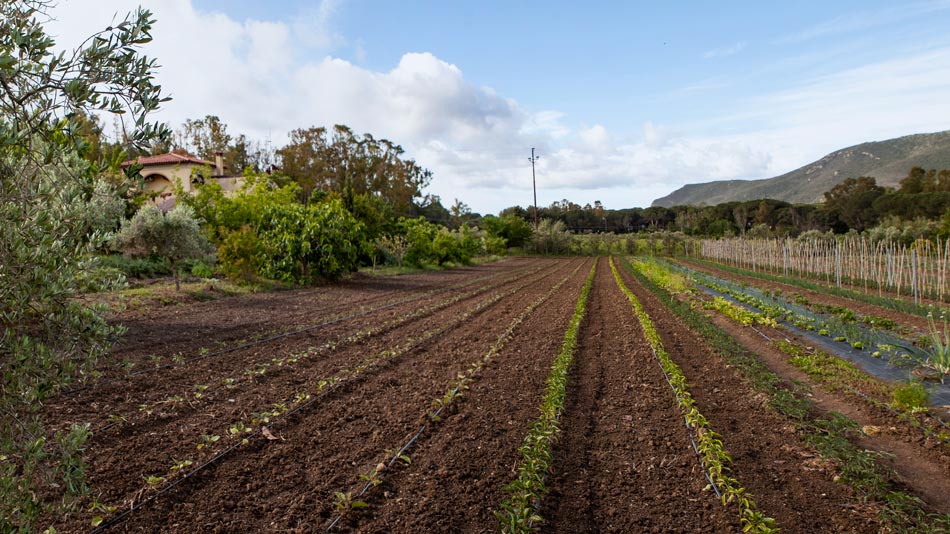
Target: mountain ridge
888 161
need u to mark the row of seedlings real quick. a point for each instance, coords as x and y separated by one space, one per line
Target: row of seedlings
346 502
708 444
908 402
253 373
179 359
829 434
519 512
842 327
260 425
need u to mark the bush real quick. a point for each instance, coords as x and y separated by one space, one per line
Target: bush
137 267
912 396
303 242
202 270
420 235
241 254
514 230
551 237
265 231
431 243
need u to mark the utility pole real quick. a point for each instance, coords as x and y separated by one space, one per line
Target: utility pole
534 186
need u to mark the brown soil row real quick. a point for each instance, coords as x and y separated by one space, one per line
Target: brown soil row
894 428
125 456
212 325
789 482
288 485
921 465
624 462
123 397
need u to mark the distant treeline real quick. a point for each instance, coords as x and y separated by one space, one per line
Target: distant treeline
856 204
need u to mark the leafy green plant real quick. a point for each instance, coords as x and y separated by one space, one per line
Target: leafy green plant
912 397
207 440
178 465
345 504
709 443
938 357
517 513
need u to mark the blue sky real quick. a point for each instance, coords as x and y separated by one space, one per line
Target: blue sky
626 101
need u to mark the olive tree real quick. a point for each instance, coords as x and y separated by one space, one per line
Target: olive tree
49 338
174 236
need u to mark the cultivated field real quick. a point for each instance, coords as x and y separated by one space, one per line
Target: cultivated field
567 393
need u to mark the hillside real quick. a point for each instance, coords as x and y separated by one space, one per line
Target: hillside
888 161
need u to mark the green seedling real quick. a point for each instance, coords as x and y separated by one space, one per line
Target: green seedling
178 465
153 480
390 453
239 428
207 440
372 477
345 504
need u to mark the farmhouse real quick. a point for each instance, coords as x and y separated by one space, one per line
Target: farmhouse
163 171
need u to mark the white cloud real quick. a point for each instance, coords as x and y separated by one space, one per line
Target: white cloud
259 79
724 51
863 20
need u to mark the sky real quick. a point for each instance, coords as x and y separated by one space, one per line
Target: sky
624 102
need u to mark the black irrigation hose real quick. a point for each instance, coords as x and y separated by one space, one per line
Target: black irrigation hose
278 336
689 429
433 417
331 388
115 423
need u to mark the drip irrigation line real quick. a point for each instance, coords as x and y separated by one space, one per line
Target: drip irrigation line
283 335
757 331
474 293
246 440
434 416
689 429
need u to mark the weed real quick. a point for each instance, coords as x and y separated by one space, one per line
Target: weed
912 397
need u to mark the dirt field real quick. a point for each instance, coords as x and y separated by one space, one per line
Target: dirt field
343 376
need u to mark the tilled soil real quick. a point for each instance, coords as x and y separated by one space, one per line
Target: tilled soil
623 462
625 459
920 463
787 479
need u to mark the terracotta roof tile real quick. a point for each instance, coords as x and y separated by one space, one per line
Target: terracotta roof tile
166 159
